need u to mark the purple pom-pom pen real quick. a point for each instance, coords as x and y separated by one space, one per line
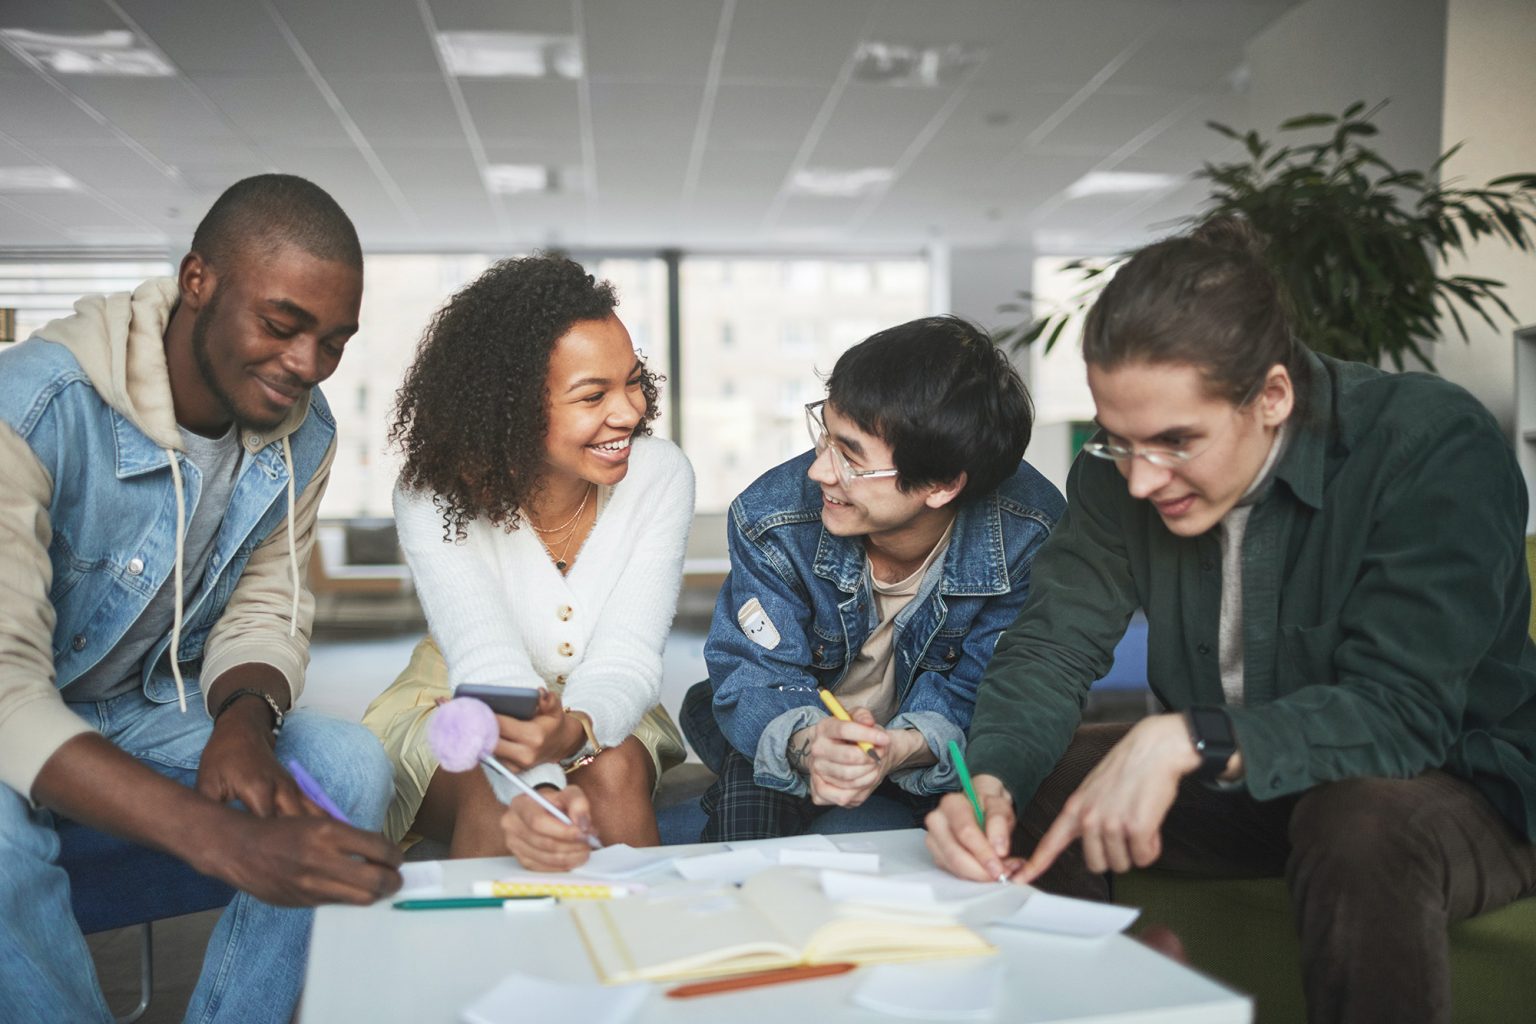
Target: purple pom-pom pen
463 733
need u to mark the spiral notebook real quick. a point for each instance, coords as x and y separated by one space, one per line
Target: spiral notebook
779 918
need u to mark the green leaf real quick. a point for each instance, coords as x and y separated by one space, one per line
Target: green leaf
1308 121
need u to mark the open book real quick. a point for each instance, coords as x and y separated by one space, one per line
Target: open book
779 918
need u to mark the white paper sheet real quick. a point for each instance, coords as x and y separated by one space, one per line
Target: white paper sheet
809 841
833 860
520 998
624 861
947 990
1062 915
846 887
733 866
421 878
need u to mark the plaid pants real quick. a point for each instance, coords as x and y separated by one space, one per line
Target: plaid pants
738 808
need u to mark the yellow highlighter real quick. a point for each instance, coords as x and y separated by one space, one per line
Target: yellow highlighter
837 712
515 889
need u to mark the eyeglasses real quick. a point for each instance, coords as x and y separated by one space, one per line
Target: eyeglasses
846 474
1162 458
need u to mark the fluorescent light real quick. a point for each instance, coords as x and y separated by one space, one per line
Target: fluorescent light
821 181
509 55
1101 183
909 64
517 179
114 53
36 179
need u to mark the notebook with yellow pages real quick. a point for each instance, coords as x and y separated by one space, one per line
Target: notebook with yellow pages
778 918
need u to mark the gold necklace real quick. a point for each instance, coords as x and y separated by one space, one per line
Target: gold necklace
579 510
560 563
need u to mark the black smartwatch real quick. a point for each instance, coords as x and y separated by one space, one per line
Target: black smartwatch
1210 730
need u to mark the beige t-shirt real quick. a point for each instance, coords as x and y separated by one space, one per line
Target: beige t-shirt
871 679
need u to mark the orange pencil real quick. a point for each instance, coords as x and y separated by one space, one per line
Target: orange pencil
740 981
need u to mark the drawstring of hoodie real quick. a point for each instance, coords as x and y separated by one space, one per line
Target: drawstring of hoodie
293 550
181 551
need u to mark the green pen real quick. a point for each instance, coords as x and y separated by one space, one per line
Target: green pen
468 902
970 789
965 780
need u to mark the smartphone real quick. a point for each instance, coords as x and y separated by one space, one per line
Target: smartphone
512 701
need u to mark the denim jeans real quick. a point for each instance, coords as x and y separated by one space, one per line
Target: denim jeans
254 965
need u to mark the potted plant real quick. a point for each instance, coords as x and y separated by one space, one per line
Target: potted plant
1357 243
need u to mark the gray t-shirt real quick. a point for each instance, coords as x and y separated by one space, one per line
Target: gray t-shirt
218 460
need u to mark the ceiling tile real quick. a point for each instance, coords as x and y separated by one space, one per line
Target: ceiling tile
523 110
652 115
33 109
771 41
399 108
386 36
627 41
444 168
874 125
59 16
551 17
1112 117
107 166
765 116
150 106
223 36
273 107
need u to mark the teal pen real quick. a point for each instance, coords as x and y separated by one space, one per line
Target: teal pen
964 772
465 902
965 780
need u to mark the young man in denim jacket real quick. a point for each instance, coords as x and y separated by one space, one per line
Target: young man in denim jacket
162 456
881 567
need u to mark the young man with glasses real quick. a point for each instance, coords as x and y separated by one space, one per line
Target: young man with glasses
881 566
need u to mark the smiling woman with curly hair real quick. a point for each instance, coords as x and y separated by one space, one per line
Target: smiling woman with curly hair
545 531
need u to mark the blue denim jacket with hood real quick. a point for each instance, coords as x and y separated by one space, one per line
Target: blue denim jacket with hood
95 492
813 587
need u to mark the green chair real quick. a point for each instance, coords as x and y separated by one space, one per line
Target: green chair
1240 932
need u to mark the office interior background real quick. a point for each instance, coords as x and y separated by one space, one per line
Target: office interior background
766 181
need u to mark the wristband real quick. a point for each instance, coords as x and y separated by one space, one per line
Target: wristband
245 691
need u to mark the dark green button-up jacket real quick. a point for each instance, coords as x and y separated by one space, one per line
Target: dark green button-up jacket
1385 605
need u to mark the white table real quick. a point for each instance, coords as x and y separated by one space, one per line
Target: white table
378 964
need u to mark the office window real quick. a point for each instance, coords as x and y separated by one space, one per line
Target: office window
792 319
40 292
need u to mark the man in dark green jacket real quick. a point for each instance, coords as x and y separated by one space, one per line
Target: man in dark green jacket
1331 560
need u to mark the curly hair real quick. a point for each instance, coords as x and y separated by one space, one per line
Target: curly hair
472 413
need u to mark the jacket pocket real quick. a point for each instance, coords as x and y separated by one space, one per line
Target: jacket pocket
943 652
1306 654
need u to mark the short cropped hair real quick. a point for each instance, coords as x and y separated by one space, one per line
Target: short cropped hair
943 396
259 215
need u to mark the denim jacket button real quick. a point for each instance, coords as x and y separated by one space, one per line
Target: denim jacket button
135 566
819 652
950 655
78 643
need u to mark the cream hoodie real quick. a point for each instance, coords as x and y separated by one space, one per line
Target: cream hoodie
118 341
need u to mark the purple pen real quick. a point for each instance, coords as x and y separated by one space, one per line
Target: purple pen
312 790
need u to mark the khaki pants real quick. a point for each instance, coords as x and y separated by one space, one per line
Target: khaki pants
399 717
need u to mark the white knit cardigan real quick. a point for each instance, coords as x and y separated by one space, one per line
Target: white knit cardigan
503 614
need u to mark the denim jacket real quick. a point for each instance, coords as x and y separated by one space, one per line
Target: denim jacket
89 524
813 587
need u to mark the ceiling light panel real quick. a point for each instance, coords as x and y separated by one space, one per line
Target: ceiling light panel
116 53
911 65
1107 183
509 55
843 184
36 179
